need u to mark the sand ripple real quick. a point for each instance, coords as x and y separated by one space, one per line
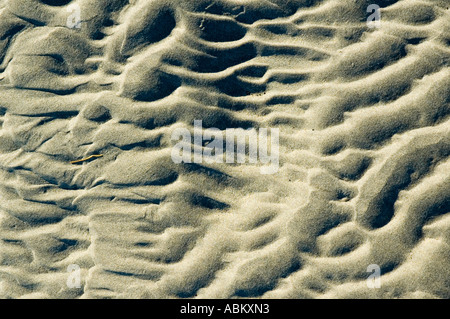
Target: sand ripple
364 149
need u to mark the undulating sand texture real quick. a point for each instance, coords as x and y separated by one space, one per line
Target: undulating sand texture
364 166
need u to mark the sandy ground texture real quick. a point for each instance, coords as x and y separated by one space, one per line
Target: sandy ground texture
364 166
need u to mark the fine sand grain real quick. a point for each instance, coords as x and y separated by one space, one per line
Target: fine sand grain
86 174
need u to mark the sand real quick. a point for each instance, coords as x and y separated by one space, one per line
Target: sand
88 183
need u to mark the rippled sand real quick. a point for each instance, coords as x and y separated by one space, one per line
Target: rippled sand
364 173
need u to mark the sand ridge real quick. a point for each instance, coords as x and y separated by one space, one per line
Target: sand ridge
364 149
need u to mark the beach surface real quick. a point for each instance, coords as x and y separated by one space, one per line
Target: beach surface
93 205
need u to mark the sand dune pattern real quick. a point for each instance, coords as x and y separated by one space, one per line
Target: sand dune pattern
364 173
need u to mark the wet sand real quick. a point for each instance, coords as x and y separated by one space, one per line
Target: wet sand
87 113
